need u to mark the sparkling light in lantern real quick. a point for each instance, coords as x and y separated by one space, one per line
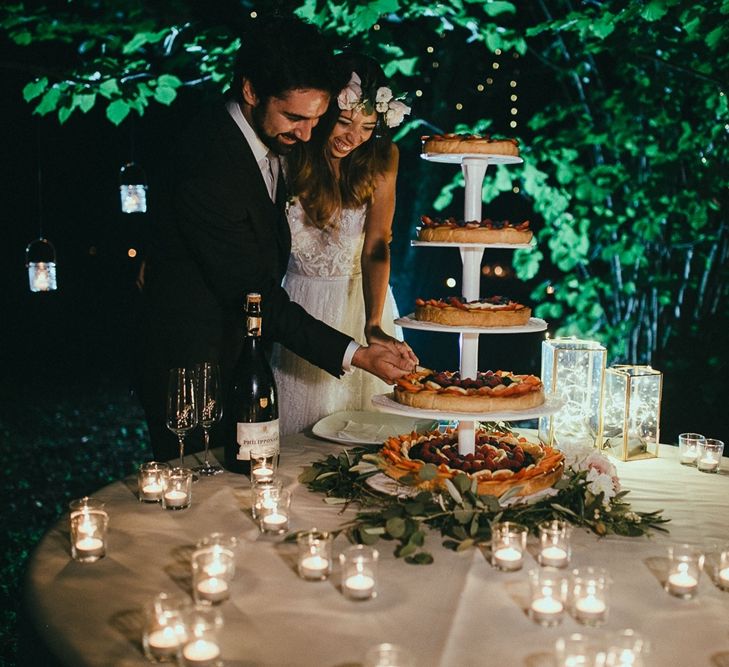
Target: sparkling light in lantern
40 260
133 189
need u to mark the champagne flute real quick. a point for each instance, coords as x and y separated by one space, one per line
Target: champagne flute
210 407
181 405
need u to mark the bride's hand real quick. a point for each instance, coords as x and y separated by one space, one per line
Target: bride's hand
404 353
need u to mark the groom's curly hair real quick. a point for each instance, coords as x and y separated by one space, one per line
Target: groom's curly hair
278 54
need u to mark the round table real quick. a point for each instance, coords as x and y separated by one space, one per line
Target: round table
457 611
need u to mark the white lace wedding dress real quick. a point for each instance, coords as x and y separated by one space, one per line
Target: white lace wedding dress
324 276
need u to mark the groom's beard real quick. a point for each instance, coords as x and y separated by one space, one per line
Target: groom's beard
273 142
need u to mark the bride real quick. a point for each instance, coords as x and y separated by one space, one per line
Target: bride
341 226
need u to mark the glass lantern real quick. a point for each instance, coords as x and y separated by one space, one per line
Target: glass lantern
133 188
573 370
632 412
40 260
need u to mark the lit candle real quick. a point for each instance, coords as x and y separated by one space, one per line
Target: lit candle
359 586
724 578
201 652
590 609
681 583
90 546
215 568
689 456
508 558
152 491
275 522
165 642
553 556
314 567
175 498
707 463
262 474
213 589
546 610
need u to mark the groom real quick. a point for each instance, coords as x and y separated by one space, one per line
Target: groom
223 230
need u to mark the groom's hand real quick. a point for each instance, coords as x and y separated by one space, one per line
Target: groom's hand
388 359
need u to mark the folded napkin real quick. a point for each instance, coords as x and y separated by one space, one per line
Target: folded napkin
355 431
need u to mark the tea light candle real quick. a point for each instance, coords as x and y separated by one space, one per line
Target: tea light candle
90 546
262 474
508 558
212 589
546 610
201 652
276 522
590 609
689 456
152 492
681 583
359 586
707 463
165 642
314 567
175 498
724 578
553 556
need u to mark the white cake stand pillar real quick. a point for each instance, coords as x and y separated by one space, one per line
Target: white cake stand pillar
474 170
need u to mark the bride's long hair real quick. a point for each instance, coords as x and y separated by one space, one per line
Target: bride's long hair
310 166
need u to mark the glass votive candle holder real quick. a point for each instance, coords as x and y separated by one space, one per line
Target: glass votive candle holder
722 572
625 648
264 461
548 590
151 481
589 595
273 513
388 655
508 545
555 549
86 503
177 493
315 554
212 571
685 564
578 650
88 535
202 646
710 453
219 543
262 495
359 572
688 447
164 628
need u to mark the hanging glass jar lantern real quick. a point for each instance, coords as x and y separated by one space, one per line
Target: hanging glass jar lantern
133 188
40 260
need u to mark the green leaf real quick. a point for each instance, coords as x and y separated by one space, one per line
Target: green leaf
64 113
405 66
422 558
165 95
395 527
169 81
109 87
715 37
463 516
466 544
495 7
427 472
453 491
34 89
654 10
85 101
333 500
49 101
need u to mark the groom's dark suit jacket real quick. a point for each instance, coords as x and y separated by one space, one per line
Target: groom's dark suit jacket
219 237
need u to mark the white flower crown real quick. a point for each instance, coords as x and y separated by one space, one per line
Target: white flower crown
350 99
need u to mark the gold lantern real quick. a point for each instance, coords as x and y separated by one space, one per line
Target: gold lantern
632 412
573 370
40 260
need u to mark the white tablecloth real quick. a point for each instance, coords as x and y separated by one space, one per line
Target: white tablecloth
459 611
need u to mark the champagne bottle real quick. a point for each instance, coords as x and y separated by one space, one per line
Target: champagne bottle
253 399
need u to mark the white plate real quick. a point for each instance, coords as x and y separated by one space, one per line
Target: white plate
457 158
453 244
409 322
387 403
333 427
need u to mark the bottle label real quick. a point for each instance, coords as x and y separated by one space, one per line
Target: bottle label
261 433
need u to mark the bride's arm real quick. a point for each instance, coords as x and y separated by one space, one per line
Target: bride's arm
375 259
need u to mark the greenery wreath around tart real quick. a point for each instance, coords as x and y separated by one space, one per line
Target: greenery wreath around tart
486 231
494 311
500 462
489 391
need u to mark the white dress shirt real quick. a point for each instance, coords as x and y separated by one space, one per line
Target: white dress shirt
268 163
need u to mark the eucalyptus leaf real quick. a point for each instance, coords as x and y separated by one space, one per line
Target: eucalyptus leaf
453 491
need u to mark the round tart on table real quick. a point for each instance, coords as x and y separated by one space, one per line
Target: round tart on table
501 461
469 144
494 311
489 391
487 231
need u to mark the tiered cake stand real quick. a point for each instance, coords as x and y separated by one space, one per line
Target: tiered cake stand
474 169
